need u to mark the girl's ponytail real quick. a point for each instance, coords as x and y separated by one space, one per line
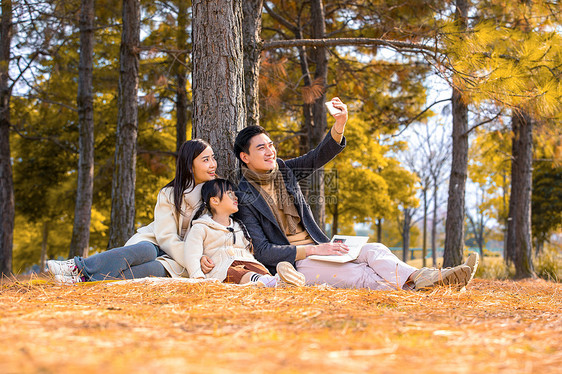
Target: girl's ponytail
250 246
199 211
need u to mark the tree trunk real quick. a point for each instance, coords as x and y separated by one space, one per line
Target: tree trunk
44 246
6 182
454 229
251 29
481 235
515 195
79 243
424 245
335 218
305 144
317 131
379 230
519 221
406 235
181 75
434 225
218 78
124 173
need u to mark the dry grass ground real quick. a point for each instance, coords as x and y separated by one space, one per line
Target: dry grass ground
148 327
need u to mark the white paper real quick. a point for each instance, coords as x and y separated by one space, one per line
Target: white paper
354 243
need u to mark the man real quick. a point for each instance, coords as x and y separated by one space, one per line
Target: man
279 220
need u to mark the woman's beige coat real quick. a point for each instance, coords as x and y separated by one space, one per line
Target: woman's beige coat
169 228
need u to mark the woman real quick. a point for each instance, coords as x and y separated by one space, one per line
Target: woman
156 249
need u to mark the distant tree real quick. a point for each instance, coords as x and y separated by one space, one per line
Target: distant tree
180 69
80 241
489 168
546 202
7 209
518 241
124 172
405 224
218 77
546 209
438 155
429 151
477 222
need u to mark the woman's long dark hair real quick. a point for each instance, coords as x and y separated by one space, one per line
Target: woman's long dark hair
217 188
184 178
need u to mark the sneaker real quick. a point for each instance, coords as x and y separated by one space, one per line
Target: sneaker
472 263
289 275
69 279
268 280
458 276
67 267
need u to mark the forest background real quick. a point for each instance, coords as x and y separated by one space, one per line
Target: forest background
140 95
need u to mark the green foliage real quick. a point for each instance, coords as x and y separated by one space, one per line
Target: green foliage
46 149
548 264
546 200
489 166
494 268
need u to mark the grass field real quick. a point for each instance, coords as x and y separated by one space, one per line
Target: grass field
154 326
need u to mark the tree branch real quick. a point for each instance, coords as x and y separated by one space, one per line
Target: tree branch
66 147
156 152
396 44
279 18
416 117
74 109
484 122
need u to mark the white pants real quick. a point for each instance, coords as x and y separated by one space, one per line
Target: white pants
376 268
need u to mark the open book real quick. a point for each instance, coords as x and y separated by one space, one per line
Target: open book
355 243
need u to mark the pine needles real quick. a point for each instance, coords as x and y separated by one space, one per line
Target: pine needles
145 327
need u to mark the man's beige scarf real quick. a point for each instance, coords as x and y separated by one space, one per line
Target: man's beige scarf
284 201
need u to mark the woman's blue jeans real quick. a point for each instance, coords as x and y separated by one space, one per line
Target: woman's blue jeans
129 262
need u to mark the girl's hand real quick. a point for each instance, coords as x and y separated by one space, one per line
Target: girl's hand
206 264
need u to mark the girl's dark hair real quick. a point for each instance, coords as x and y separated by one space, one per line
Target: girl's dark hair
184 178
217 188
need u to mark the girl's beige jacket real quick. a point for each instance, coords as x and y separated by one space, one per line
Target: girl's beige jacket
222 244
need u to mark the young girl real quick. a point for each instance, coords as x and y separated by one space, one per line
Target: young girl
226 242
156 249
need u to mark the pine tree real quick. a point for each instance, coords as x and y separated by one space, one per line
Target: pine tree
218 78
124 173
251 28
454 237
6 182
80 242
181 74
